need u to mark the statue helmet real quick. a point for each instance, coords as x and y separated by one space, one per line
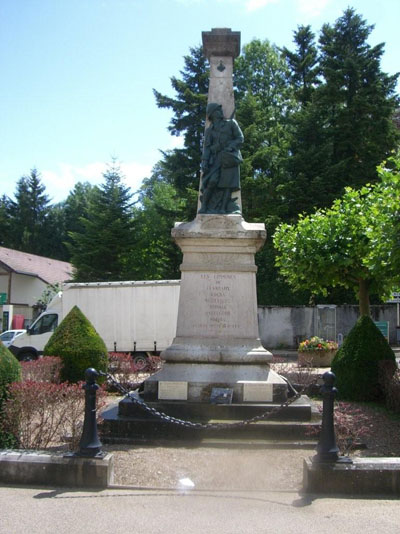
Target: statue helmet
211 107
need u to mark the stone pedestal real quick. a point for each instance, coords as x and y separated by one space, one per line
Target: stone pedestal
217 343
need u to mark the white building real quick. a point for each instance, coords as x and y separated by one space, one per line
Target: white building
23 278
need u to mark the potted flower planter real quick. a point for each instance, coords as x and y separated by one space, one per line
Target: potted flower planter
316 358
316 352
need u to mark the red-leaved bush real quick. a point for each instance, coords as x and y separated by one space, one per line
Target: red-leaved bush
46 369
352 424
42 414
126 368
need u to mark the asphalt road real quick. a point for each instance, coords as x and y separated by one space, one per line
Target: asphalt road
47 511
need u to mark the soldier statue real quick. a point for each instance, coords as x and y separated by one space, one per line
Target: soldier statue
220 163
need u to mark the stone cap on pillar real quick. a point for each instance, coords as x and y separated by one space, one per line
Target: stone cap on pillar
221 42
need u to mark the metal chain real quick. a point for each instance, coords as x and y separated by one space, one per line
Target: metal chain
209 426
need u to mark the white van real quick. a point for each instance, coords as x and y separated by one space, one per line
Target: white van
135 317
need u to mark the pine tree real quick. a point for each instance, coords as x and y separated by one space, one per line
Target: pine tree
100 251
29 215
303 65
181 166
357 101
5 223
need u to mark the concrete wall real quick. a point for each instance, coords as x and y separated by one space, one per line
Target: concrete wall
284 326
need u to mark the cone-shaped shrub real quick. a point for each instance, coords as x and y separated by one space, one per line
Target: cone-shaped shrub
356 362
79 346
10 370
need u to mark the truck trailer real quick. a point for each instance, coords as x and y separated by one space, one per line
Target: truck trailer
132 317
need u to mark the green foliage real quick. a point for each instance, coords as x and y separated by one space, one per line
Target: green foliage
303 64
29 215
353 244
180 167
79 346
357 100
10 371
264 101
156 256
100 251
356 362
5 221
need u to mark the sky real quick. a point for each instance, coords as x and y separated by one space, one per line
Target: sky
77 76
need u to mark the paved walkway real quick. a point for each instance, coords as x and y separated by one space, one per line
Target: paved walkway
126 511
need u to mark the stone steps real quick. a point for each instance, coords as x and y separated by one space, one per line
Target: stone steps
285 432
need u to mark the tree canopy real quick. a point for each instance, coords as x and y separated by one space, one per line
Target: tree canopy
354 244
101 250
316 119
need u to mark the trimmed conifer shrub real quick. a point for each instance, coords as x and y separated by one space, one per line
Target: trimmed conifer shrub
10 370
356 364
78 345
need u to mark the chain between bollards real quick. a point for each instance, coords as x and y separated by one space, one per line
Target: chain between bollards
327 450
205 426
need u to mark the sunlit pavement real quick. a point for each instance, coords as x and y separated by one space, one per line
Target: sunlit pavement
52 511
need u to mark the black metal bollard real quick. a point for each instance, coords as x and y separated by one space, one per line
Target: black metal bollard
90 445
327 450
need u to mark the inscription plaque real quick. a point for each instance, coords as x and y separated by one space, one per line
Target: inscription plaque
221 396
172 390
254 391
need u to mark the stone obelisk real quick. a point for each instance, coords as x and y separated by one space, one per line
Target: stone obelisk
217 342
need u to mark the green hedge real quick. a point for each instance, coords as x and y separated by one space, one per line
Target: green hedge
79 346
356 364
10 370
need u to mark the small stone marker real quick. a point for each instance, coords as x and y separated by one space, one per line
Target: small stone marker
255 391
172 390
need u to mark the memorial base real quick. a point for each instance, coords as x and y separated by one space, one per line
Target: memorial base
194 382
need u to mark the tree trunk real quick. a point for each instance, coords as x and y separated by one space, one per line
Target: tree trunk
363 298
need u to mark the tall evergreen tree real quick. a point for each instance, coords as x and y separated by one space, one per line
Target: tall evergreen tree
29 215
155 255
358 102
181 166
100 250
5 223
303 64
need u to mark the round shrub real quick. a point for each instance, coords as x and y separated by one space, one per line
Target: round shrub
356 364
10 370
78 345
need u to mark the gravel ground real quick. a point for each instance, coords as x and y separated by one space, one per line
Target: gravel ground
240 468
208 468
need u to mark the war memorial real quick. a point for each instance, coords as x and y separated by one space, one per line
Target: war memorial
216 367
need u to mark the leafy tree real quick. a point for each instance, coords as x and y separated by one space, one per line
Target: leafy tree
101 249
264 100
354 244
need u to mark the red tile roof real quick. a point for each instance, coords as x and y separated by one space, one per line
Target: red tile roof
48 270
